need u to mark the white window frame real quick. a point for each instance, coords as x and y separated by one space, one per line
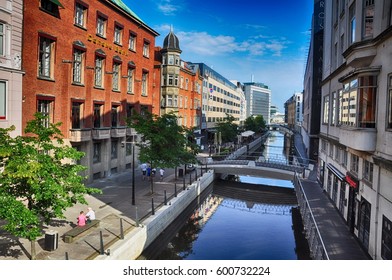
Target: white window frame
3 100
78 62
80 15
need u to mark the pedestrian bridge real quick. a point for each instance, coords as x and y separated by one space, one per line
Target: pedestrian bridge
265 169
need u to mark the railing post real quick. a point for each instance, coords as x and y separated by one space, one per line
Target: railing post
165 198
136 217
121 229
175 189
101 251
152 206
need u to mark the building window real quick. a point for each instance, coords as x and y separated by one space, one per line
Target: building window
118 34
51 6
326 110
114 149
116 76
358 105
368 18
99 67
146 49
101 26
352 23
331 146
115 115
345 158
389 102
3 100
144 83
169 100
368 171
97 115
77 109
170 79
132 42
45 107
46 57
78 66
2 39
130 79
333 108
386 239
80 15
354 163
97 153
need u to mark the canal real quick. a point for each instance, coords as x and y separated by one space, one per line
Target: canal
245 218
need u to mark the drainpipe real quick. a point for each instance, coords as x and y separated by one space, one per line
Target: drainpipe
377 211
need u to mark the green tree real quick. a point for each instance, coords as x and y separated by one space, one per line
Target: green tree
165 143
228 129
39 179
255 123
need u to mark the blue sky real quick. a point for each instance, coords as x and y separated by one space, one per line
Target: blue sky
266 39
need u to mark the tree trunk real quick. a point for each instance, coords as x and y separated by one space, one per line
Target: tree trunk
33 252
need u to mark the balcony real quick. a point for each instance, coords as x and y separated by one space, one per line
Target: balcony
360 55
80 135
131 131
117 132
101 133
361 139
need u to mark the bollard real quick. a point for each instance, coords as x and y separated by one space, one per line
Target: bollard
165 201
183 183
66 256
201 170
190 178
152 206
136 218
175 189
101 243
121 229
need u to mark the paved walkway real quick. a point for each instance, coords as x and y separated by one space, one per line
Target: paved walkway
339 242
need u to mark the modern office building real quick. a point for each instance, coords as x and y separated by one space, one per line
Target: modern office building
88 65
11 19
355 157
219 98
312 83
258 100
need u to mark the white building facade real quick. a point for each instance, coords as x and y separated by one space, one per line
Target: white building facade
11 18
355 154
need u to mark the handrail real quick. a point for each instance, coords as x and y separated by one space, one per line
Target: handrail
298 186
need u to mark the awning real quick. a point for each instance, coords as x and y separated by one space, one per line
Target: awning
57 2
335 171
247 133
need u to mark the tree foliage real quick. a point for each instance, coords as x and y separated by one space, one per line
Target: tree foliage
255 123
165 143
228 129
39 178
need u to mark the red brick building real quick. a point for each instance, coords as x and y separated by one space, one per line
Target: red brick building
88 64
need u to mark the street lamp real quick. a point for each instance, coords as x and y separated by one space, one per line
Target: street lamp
133 169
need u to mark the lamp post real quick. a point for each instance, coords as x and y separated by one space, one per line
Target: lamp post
133 173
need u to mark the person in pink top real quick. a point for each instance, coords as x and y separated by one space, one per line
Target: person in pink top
82 219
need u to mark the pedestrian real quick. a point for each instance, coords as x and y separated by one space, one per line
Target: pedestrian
82 219
153 172
161 172
144 170
148 172
90 215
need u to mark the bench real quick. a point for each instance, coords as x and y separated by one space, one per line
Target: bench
72 234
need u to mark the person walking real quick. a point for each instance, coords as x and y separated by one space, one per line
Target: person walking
144 170
148 172
161 172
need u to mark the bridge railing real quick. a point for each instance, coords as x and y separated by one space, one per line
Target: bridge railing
315 241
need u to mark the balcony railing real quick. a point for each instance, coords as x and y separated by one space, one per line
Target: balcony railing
118 132
80 135
101 133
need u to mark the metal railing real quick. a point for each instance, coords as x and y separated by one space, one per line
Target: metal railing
315 241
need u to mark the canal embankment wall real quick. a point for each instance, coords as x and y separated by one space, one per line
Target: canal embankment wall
138 239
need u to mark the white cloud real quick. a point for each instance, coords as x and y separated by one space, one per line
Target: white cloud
167 8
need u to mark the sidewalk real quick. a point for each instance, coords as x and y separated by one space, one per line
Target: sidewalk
113 205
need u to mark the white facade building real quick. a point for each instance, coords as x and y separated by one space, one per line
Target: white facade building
258 100
355 155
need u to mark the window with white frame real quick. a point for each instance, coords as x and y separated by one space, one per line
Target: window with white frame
144 83
98 71
368 171
333 108
80 14
130 79
46 57
169 100
45 107
354 163
368 15
118 30
344 158
326 109
116 75
132 42
78 61
101 25
3 100
2 39
146 49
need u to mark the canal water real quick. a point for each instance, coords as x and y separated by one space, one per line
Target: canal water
229 227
